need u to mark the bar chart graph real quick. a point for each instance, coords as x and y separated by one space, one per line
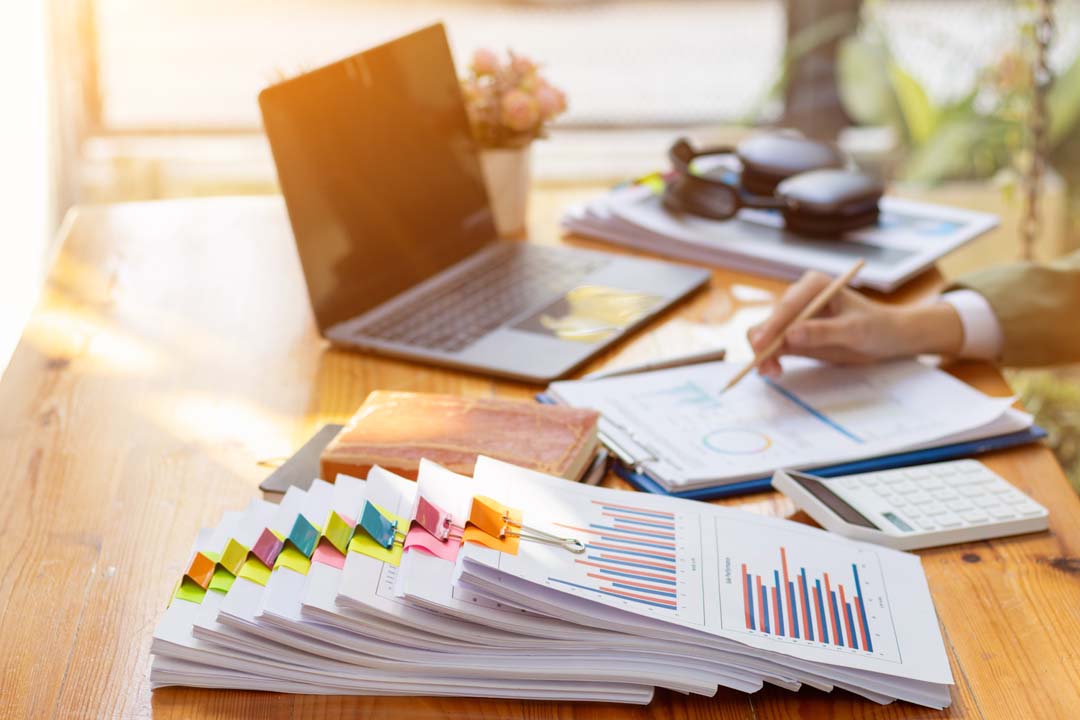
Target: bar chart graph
638 556
820 594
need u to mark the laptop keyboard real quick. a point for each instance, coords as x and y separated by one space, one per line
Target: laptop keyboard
452 316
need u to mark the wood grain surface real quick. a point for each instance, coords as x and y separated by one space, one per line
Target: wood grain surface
173 354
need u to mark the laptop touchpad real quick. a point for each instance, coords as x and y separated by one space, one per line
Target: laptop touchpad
591 313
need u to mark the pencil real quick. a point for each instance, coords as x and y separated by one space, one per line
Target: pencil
809 311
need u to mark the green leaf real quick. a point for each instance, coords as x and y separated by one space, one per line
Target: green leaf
863 78
920 116
946 154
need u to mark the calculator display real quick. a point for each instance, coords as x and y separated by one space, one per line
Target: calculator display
822 492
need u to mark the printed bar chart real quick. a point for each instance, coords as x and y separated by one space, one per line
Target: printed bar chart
790 611
636 555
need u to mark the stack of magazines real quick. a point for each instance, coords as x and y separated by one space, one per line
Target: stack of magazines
515 584
908 238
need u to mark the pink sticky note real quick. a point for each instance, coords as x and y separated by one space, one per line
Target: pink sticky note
422 540
327 554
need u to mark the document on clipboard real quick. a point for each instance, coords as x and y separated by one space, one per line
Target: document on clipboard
680 429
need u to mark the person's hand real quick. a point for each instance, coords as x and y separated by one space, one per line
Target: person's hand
854 329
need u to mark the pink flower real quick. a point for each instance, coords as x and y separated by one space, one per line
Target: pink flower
484 62
551 100
521 64
520 111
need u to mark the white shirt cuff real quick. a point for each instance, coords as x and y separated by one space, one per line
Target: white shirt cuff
983 337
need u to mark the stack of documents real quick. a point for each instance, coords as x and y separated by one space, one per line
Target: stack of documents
515 584
683 431
908 238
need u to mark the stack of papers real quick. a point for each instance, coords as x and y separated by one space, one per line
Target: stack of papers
680 428
515 584
908 238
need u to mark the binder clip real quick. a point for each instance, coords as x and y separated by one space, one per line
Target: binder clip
382 530
436 521
339 531
304 536
268 547
233 556
201 569
495 519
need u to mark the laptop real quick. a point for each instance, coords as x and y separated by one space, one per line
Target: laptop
396 238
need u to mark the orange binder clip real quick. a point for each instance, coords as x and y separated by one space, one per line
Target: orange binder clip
499 521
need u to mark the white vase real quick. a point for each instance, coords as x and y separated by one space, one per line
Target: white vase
506 174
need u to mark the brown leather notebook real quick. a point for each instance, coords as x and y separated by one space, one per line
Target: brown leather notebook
396 429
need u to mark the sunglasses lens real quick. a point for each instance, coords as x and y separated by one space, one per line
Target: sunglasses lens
719 201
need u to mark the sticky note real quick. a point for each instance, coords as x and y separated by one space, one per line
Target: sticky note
233 556
381 529
267 547
419 539
366 545
255 571
327 554
433 518
291 557
339 530
303 536
201 569
222 580
189 590
489 515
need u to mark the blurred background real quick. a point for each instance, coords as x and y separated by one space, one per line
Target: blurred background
124 100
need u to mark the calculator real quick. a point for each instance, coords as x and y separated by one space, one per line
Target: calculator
916 507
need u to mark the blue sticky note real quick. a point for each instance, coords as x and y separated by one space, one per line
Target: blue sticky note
378 526
304 536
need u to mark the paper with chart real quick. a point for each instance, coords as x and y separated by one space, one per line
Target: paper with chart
687 432
764 582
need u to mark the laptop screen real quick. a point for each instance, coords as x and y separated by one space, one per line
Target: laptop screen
379 172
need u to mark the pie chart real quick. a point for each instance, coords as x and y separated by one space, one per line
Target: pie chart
737 441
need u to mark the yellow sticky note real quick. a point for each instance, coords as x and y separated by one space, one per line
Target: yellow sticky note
255 571
364 544
291 557
191 591
222 580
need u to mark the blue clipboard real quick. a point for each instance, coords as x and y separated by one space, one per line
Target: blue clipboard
886 462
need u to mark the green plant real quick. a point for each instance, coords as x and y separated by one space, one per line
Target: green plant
977 135
1053 397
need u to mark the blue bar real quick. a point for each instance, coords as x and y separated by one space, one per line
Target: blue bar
632 576
670 535
821 613
642 553
854 641
779 605
656 526
635 542
646 513
765 605
809 604
635 588
836 614
862 610
632 564
794 609
750 600
813 411
617 595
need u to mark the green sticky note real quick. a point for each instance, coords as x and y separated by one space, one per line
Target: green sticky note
338 531
292 558
189 590
366 545
222 580
233 556
255 571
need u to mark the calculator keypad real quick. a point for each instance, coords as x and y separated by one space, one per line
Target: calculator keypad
942 496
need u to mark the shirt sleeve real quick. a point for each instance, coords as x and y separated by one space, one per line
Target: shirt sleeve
983 337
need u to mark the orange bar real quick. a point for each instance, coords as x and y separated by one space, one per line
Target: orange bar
651 551
832 614
745 595
641 518
636 509
650 598
787 593
637 561
847 621
635 583
760 605
632 571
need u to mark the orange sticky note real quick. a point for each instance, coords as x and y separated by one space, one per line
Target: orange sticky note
493 525
507 543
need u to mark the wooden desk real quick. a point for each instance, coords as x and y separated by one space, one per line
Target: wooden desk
173 349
